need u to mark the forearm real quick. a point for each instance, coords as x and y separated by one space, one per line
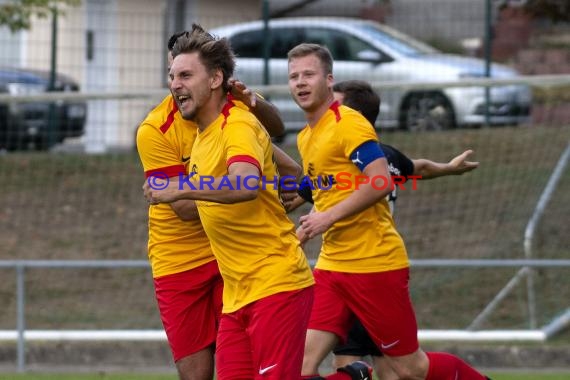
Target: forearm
185 210
357 202
456 166
228 189
366 193
265 112
294 204
269 116
428 169
286 166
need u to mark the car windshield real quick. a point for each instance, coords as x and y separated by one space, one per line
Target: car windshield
397 41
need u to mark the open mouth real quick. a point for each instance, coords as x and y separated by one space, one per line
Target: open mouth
303 95
183 99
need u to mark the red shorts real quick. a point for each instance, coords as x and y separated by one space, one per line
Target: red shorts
190 305
381 301
265 339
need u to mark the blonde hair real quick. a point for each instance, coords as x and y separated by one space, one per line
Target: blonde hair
321 52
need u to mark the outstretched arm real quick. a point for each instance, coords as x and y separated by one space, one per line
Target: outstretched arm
428 169
264 111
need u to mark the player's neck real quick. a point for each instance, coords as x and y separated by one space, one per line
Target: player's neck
313 117
211 109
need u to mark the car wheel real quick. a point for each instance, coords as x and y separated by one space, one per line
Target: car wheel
428 111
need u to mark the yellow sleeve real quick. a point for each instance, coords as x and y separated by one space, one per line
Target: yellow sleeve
354 131
157 153
242 142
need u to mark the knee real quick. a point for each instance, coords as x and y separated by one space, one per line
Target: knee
198 366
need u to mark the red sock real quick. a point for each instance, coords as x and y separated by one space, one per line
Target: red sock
443 366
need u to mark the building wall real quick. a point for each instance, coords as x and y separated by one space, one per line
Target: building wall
10 47
32 48
211 14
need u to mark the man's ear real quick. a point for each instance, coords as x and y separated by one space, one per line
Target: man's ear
216 80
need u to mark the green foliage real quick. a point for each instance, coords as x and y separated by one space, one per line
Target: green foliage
17 14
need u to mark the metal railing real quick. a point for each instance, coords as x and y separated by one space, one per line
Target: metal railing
22 335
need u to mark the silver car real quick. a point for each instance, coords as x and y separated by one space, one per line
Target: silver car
373 52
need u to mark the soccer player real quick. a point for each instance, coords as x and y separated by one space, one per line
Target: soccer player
187 281
363 270
268 284
360 96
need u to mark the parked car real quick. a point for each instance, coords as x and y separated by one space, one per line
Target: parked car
373 52
24 125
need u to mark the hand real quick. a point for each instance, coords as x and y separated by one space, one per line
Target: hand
291 200
168 194
240 91
302 236
459 165
315 223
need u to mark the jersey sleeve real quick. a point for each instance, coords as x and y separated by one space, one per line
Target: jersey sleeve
242 143
354 133
398 162
157 154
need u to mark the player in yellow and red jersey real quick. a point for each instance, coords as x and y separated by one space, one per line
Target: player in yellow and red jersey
362 271
187 282
266 275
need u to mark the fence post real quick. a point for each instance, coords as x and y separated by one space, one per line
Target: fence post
531 228
20 316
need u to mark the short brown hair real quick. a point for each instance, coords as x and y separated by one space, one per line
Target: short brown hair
215 53
322 53
360 96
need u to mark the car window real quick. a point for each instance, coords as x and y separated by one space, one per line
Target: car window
285 39
398 41
248 44
343 46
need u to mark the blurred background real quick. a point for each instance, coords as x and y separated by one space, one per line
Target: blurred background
78 77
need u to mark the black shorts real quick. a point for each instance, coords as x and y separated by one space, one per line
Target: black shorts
358 343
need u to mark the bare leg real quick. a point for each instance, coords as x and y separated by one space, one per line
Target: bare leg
343 360
410 367
383 369
198 366
318 344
